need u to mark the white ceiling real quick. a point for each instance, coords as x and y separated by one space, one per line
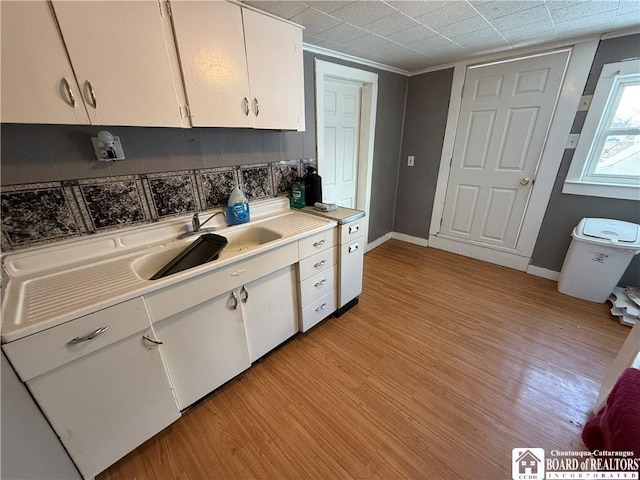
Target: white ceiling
415 35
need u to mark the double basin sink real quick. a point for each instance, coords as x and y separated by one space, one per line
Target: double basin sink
239 241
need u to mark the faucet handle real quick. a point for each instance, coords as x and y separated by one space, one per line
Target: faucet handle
195 222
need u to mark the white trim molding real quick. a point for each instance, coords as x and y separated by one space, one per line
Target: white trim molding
543 272
577 72
423 242
368 108
350 58
378 241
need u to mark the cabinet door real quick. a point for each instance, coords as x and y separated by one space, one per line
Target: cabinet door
204 347
210 41
119 53
274 59
36 73
351 265
107 403
270 311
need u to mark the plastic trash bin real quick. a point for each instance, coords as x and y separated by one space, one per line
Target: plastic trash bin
600 251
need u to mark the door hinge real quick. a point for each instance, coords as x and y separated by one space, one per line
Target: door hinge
441 218
180 110
169 12
187 109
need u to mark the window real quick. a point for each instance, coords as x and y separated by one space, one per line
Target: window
606 162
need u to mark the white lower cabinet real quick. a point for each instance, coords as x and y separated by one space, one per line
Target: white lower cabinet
204 347
101 384
270 311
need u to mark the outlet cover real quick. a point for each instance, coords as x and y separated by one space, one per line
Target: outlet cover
411 160
572 140
585 103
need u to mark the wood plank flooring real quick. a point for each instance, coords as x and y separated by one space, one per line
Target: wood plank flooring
445 365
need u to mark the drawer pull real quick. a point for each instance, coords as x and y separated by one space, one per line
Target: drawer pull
244 294
321 307
319 243
234 304
354 228
320 283
91 336
353 248
152 340
319 264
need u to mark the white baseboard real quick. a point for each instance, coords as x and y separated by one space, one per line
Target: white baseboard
543 272
498 257
423 242
378 241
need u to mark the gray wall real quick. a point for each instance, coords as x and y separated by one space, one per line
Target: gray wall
30 448
424 125
565 211
39 153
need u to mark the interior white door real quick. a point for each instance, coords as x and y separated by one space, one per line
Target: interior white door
505 115
339 166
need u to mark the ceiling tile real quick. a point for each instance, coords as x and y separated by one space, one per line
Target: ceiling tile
532 15
326 6
361 13
393 23
536 28
432 48
368 43
286 9
415 8
412 34
626 20
560 4
342 33
468 25
481 39
314 21
431 42
580 23
577 12
500 8
453 12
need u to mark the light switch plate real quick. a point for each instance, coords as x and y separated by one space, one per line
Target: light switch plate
411 160
585 103
572 140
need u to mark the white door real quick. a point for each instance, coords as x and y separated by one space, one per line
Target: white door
505 115
339 166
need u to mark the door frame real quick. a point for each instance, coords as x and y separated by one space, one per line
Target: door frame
577 71
368 107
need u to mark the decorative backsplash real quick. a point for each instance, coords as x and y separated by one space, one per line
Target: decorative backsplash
38 213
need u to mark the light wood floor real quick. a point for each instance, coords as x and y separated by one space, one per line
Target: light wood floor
446 365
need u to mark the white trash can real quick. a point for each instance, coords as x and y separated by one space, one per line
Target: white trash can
600 252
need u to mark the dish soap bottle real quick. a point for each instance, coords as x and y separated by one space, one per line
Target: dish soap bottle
238 207
297 194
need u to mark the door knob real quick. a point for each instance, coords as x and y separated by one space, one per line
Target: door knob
524 181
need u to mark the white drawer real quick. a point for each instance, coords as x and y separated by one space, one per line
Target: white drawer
319 310
316 243
189 293
39 353
320 284
355 229
317 263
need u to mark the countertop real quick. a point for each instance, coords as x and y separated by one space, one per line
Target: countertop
55 284
341 215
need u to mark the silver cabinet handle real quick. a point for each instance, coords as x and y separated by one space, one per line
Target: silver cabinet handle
256 107
318 244
91 336
320 283
353 248
246 106
319 264
321 307
152 340
244 294
92 94
354 228
67 87
234 305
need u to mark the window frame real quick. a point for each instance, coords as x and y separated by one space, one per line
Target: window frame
579 181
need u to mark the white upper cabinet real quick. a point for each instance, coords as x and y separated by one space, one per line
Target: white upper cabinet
210 41
240 68
121 56
38 85
276 79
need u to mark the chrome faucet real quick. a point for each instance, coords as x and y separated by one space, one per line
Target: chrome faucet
197 226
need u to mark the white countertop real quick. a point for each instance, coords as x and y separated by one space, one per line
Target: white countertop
51 285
